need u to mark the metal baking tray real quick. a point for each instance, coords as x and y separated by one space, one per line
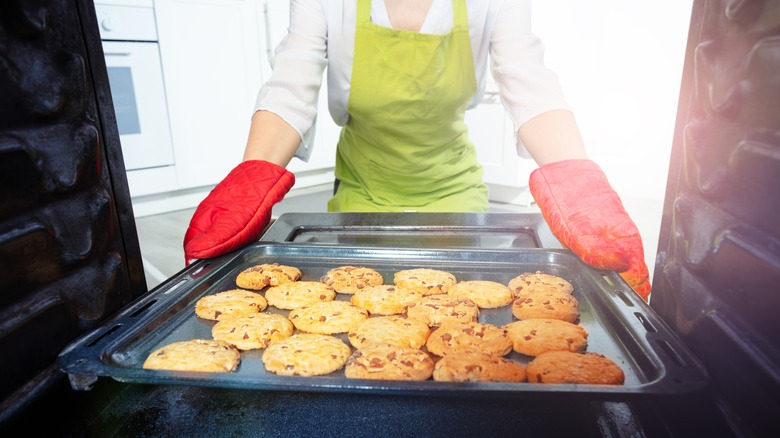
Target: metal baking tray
620 325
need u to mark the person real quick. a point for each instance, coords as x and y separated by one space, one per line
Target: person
401 74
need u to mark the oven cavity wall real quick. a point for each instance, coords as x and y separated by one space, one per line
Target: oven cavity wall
69 253
718 263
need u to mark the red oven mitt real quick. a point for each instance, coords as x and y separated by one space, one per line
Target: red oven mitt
587 216
237 209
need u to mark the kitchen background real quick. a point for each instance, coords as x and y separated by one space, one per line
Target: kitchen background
185 73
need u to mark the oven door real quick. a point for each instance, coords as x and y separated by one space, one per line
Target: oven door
138 92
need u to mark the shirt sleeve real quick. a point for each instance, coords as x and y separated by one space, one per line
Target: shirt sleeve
300 59
526 86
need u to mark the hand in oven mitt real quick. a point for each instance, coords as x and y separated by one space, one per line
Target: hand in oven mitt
235 212
587 216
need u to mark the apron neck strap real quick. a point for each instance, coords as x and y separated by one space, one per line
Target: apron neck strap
364 11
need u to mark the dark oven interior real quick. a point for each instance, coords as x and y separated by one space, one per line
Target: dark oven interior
70 259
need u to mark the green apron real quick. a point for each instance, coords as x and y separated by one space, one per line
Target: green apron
406 145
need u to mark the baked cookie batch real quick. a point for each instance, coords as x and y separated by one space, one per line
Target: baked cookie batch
423 326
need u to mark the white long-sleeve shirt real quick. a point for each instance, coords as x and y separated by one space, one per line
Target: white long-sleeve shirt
322 34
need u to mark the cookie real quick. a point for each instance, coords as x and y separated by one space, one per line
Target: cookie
385 299
487 294
460 337
306 354
267 274
539 282
394 330
425 281
389 362
477 367
351 279
533 337
207 355
569 367
254 331
297 294
550 305
328 318
230 303
437 309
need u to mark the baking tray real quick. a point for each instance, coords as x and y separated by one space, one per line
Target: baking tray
620 325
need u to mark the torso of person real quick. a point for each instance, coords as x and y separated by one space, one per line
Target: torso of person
406 145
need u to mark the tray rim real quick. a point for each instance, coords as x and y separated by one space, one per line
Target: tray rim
289 224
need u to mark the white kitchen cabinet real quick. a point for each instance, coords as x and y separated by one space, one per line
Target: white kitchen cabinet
129 35
215 56
492 132
211 55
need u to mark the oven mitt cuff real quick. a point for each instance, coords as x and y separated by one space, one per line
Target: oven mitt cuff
237 210
586 215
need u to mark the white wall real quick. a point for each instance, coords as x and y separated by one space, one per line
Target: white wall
620 65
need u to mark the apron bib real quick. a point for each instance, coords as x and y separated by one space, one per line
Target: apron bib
406 145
